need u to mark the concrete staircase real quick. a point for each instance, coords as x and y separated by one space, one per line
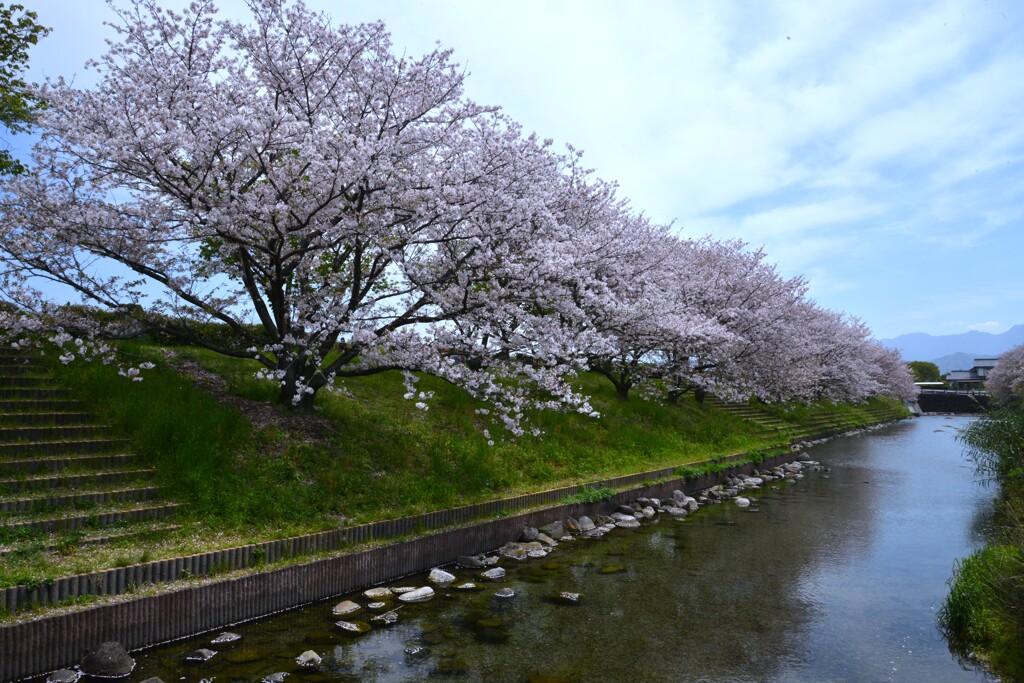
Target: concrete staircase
64 479
815 426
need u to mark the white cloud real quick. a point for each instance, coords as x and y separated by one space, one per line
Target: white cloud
991 326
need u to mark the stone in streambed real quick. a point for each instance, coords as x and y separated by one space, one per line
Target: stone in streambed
200 655
64 676
440 577
346 608
554 530
471 562
109 660
546 540
308 659
494 574
353 627
566 598
418 595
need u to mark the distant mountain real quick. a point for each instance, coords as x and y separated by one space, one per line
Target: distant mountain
955 361
955 349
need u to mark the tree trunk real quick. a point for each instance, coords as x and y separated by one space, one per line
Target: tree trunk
699 394
292 375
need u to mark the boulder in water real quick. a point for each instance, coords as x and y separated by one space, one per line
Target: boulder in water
440 577
109 660
418 595
201 655
345 608
493 574
64 676
308 659
354 627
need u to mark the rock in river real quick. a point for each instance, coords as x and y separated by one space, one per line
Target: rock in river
566 598
494 574
308 659
109 660
742 502
418 595
201 655
379 593
440 577
471 562
355 627
555 530
345 608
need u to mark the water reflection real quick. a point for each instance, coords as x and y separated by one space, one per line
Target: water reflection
834 578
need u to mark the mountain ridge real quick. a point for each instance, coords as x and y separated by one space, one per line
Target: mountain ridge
950 349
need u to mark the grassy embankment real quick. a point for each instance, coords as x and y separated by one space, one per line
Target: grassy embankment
983 616
367 454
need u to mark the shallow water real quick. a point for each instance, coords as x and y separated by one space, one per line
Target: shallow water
835 578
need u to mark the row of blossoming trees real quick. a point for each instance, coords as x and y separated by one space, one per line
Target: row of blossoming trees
292 191
1005 382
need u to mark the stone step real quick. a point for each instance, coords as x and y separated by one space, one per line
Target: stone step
20 358
55 542
73 463
75 481
49 433
27 381
25 449
33 393
10 406
45 418
52 500
22 369
97 517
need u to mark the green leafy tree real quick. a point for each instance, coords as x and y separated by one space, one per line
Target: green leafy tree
925 371
18 106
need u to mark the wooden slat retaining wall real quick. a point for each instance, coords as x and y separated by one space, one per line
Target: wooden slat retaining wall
126 579
40 646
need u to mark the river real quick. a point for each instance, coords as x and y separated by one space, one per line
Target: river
837 577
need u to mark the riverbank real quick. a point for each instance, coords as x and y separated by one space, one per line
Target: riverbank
246 473
983 615
834 576
37 645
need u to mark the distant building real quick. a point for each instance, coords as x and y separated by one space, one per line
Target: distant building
973 378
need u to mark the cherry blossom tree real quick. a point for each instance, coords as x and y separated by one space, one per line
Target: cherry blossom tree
1005 382
291 191
741 293
330 208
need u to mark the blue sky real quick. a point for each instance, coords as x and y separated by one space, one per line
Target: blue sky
877 148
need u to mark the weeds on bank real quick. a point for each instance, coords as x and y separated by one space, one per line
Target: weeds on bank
589 495
983 615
